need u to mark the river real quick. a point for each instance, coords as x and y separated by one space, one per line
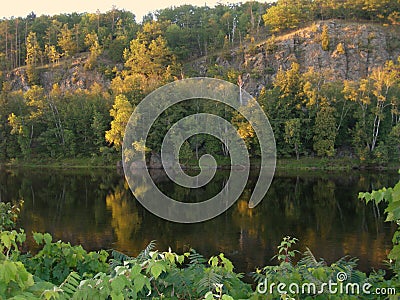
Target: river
97 209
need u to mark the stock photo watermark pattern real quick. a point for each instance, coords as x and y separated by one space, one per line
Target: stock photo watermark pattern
145 115
338 287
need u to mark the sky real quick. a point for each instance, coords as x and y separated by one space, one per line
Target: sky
21 8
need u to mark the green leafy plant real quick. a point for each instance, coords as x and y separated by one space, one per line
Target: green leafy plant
284 252
392 197
9 214
55 261
314 275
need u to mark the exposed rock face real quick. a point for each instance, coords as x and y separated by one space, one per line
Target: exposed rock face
354 50
18 79
69 77
73 77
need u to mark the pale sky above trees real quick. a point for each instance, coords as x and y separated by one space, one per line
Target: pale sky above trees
21 8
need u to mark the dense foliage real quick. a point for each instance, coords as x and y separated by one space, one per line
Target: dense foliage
392 197
359 115
61 271
310 113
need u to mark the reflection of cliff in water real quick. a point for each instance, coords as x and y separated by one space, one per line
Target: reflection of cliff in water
98 210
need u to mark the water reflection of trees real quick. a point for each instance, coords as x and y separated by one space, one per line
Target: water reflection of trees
97 209
126 220
324 213
69 205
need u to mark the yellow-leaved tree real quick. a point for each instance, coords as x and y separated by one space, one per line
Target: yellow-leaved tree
120 112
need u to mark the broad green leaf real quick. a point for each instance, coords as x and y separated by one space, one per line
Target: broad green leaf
156 269
116 296
6 239
118 284
170 256
47 238
138 283
8 271
394 253
367 197
180 259
396 237
393 211
136 269
227 263
38 237
396 192
377 196
213 261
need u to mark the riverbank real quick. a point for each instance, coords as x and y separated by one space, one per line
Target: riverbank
333 164
304 164
65 163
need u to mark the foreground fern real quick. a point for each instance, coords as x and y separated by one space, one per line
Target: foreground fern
167 275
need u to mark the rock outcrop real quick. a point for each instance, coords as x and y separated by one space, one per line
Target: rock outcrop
70 75
354 50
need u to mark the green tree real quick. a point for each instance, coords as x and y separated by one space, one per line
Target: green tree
66 41
325 131
92 42
384 80
286 14
99 126
292 134
120 112
185 153
52 54
151 60
33 52
359 93
33 55
21 130
325 38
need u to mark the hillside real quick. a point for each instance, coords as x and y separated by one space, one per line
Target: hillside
327 77
70 74
355 49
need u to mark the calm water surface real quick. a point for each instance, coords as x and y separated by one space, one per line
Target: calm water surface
97 209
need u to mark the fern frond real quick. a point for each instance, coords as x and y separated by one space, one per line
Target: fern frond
196 258
71 283
346 264
118 258
145 254
208 281
310 261
258 276
357 276
181 283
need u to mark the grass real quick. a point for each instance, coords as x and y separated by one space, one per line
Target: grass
65 163
303 164
308 163
345 164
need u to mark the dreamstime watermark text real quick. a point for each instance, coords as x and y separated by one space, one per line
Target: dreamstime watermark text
338 287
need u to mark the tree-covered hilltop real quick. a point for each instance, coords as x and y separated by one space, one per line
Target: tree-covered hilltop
326 73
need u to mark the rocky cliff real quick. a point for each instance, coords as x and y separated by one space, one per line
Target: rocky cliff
354 50
70 75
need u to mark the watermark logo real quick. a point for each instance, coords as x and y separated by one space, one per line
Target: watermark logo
340 286
138 129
